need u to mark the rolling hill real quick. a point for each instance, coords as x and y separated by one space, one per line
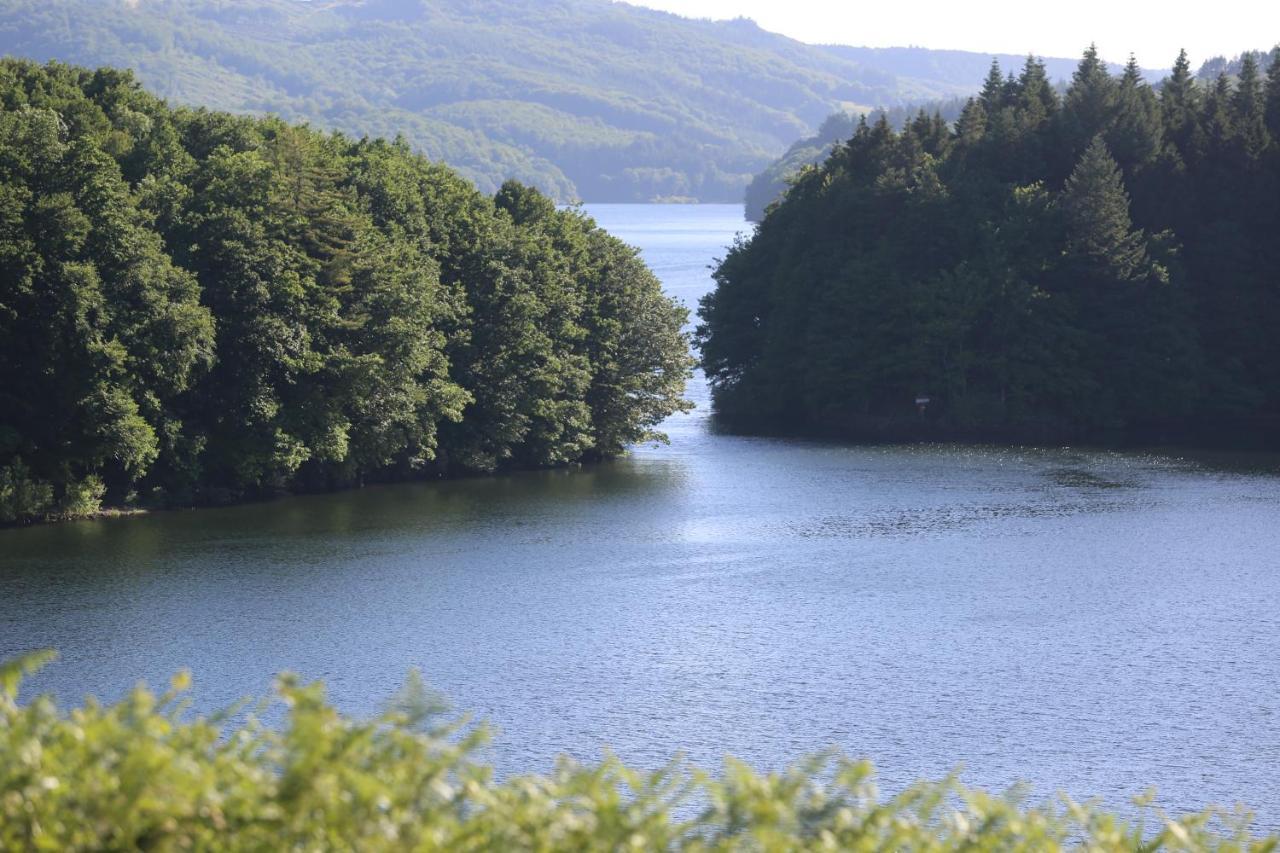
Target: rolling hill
583 98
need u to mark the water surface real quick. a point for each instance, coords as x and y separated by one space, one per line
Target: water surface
1086 621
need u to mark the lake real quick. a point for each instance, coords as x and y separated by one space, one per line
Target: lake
1083 620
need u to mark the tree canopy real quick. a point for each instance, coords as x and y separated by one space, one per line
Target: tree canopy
196 307
1049 80
1098 265
770 185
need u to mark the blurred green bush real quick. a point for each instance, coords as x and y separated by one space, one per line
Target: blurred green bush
146 774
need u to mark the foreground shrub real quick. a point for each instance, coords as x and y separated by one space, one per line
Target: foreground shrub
146 774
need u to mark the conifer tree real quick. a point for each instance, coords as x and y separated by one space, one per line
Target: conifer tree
1249 112
1272 109
931 132
1218 178
994 89
1099 228
1136 349
1179 110
1218 114
1090 105
1036 98
1137 137
939 135
972 124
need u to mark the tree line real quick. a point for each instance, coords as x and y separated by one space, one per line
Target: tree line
768 186
1100 264
203 307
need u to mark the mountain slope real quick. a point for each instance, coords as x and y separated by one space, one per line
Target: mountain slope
583 98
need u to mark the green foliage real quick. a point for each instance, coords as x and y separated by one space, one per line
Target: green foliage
78 499
199 307
580 98
145 774
1035 90
1097 266
770 185
21 496
1096 208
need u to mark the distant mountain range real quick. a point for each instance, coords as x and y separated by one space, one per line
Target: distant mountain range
585 99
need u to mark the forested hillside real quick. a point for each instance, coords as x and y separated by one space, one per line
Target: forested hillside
581 98
1210 69
1097 265
201 307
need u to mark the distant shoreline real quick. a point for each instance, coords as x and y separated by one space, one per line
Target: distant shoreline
1246 435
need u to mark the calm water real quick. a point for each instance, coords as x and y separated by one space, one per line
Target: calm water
1086 621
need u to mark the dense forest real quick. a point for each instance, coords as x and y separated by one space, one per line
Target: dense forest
201 307
585 99
1098 265
769 186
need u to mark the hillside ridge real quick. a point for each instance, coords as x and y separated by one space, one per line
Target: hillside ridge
584 99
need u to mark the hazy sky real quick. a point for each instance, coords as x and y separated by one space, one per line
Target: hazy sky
1153 31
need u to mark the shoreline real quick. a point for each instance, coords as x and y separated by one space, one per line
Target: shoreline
1245 435
1224 457
107 513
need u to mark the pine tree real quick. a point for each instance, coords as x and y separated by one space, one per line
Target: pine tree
993 90
1248 111
1099 229
1272 110
972 124
1134 339
1090 105
1217 176
1036 98
941 132
931 132
1179 110
882 142
1136 138
1217 116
